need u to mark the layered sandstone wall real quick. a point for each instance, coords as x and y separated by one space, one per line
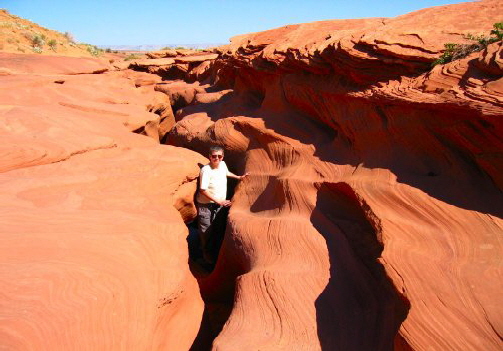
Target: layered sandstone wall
93 252
372 216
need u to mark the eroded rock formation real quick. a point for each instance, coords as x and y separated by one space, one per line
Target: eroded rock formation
93 251
373 214
189 66
371 219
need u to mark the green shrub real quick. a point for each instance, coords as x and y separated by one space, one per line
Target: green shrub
498 31
180 48
37 49
131 57
8 24
38 40
458 51
52 44
94 50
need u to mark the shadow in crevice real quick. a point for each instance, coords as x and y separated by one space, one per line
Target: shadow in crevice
216 311
359 309
273 197
214 317
203 253
217 295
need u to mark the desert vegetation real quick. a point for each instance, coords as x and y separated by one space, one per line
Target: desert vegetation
19 35
458 51
69 37
131 57
52 44
93 49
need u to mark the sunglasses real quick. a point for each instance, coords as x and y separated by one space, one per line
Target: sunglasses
217 156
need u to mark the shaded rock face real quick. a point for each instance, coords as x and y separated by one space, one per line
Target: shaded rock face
93 251
372 216
191 67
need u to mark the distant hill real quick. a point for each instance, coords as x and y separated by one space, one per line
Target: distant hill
18 35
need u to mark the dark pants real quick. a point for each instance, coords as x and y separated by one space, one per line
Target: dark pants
212 219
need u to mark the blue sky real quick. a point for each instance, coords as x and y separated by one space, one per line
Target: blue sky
115 22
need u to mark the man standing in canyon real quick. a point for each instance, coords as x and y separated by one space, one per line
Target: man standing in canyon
212 203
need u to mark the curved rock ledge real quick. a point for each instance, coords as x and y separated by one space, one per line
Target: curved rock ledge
365 50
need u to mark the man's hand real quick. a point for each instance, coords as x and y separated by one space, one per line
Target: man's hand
225 203
244 176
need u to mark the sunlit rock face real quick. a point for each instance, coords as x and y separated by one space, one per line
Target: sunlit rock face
372 216
92 248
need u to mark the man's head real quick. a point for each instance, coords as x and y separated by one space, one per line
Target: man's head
216 155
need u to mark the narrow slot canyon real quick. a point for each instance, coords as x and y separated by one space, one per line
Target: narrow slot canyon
306 163
352 257
370 220
355 264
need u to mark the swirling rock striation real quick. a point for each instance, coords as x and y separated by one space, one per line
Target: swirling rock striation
372 216
93 253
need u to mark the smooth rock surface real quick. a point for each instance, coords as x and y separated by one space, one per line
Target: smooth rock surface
93 252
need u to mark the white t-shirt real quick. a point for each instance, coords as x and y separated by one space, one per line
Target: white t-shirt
213 180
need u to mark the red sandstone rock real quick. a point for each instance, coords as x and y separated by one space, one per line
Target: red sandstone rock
174 53
190 66
492 60
366 50
196 58
153 62
374 202
161 54
92 248
186 52
180 93
373 206
201 72
207 98
37 64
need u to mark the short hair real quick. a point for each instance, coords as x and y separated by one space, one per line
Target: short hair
215 148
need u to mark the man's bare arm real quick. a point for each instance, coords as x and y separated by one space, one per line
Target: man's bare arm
232 175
